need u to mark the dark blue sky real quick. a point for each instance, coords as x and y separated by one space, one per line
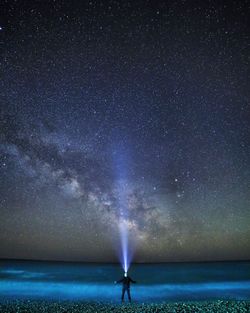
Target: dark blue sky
154 91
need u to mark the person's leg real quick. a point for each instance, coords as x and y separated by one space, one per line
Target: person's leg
129 296
123 292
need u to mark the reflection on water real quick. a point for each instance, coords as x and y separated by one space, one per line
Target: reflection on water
156 282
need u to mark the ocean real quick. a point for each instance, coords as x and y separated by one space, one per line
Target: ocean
95 282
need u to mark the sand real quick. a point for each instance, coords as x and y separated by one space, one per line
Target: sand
96 307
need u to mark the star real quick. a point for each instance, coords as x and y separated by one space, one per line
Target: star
114 121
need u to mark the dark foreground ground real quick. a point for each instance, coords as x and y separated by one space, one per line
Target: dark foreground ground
83 307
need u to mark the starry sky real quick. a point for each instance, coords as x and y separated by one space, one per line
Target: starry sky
145 98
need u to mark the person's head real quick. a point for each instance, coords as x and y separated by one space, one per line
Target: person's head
125 274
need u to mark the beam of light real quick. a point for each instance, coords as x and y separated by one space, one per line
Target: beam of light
123 225
122 185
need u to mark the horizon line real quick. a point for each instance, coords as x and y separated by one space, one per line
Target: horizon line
112 262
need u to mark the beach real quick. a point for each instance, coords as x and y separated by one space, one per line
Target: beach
156 283
96 307
52 287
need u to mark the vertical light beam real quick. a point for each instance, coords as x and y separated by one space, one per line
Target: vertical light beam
123 223
121 163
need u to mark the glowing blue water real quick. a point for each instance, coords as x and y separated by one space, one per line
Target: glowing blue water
155 282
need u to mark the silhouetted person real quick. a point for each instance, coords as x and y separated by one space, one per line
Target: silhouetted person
126 280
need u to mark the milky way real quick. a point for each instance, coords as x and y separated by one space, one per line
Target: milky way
162 85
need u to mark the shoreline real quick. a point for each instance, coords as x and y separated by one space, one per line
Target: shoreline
28 306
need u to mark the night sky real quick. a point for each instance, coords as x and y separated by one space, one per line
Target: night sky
152 96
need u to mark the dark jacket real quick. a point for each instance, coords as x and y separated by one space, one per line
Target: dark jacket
126 281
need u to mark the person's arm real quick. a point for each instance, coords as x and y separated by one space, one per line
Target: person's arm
119 281
132 281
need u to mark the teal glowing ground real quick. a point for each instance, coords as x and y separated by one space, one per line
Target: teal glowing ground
95 282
